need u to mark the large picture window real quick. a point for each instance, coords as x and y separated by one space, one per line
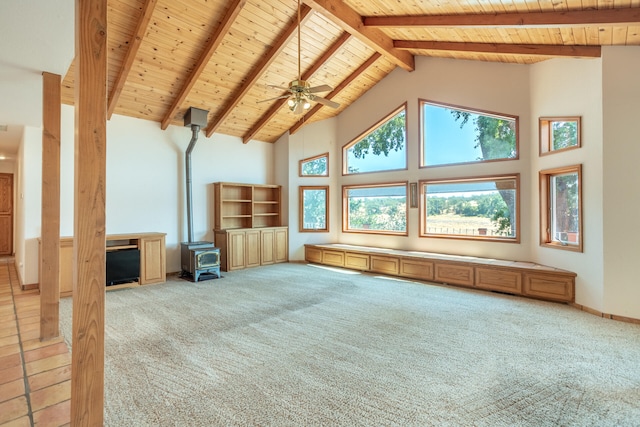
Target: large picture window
561 208
454 135
479 208
377 209
314 208
380 148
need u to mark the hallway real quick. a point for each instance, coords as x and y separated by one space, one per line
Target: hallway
35 376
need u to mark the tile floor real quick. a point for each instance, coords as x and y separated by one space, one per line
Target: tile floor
35 376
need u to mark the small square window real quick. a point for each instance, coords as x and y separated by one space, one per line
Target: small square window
561 208
559 134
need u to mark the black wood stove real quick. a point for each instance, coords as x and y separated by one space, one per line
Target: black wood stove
200 259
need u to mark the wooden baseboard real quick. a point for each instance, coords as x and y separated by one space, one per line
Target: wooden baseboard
122 286
606 315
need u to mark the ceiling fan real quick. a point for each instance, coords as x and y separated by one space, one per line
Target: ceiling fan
300 92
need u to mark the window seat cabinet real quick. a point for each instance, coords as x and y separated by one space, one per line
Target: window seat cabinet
512 277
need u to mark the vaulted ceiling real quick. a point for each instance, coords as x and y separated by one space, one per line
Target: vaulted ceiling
225 55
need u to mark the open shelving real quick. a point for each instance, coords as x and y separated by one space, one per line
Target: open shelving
246 205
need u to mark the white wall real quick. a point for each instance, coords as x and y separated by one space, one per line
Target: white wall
7 166
571 87
28 204
37 36
281 166
621 203
309 141
500 88
145 182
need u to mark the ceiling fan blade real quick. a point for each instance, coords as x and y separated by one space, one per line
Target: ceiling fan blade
321 88
273 99
325 101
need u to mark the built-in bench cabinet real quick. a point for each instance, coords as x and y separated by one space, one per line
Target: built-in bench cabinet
512 277
152 258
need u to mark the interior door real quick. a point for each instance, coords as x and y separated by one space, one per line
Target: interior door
6 214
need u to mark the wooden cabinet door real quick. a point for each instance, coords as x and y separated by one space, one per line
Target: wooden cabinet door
267 255
281 245
6 214
457 274
313 255
152 260
252 248
499 280
549 286
385 264
356 261
235 250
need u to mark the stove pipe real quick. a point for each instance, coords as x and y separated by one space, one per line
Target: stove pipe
195 118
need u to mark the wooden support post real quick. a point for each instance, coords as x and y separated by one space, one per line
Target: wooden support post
50 222
87 360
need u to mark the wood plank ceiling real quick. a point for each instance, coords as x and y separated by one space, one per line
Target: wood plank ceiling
220 55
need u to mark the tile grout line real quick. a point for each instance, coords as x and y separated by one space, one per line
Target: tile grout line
27 389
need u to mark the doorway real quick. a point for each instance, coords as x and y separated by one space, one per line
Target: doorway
6 214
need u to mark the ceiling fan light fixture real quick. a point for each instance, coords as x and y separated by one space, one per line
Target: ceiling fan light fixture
300 91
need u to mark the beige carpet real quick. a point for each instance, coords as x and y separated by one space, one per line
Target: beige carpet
297 345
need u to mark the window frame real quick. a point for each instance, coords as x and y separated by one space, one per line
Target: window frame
372 129
311 159
421 141
544 134
301 191
546 240
423 213
345 208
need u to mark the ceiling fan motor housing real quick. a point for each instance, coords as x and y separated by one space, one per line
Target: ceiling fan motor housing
299 85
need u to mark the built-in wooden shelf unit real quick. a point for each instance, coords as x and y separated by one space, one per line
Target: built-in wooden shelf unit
246 205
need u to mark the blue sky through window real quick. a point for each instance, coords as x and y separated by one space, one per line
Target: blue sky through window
444 141
371 162
376 163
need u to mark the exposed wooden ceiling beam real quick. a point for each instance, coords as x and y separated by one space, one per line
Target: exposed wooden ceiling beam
258 71
134 45
350 21
525 20
346 82
216 38
503 48
305 76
